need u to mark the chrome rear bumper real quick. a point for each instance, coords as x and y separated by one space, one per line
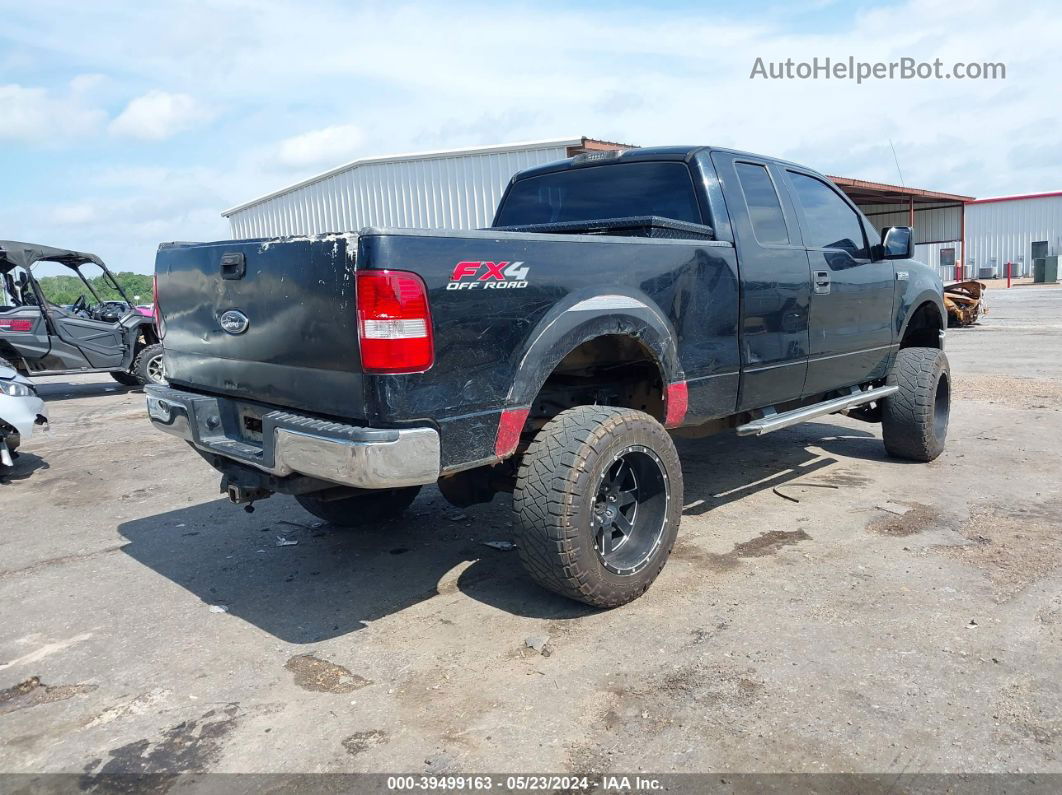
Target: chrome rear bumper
367 458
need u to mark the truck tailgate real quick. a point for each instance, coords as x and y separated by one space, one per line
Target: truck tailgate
290 336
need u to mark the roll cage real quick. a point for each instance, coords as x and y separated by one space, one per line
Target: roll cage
27 291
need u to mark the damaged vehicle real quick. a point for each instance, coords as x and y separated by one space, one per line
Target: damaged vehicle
965 302
39 337
619 298
21 411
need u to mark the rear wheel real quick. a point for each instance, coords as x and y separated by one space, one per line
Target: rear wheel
598 500
361 510
150 367
914 421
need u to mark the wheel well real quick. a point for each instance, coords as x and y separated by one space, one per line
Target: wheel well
924 327
612 370
148 335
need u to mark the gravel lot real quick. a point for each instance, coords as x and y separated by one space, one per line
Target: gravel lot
147 625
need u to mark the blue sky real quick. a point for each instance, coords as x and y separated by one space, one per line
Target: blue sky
125 124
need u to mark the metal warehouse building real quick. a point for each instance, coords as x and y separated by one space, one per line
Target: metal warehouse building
964 237
460 189
1017 229
938 218
454 189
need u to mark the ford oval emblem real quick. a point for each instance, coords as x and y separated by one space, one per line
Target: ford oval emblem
234 321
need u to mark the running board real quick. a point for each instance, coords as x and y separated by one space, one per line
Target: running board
774 421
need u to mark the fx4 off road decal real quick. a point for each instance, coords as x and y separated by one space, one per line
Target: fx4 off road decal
488 276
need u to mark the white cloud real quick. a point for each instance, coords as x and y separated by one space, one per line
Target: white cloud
421 79
158 115
40 116
86 83
74 214
328 146
125 230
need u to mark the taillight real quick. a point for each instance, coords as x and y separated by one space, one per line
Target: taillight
160 324
16 324
394 324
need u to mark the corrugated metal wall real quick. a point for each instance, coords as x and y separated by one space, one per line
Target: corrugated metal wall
998 232
444 191
934 223
937 226
929 253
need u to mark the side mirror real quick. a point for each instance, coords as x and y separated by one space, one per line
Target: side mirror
897 242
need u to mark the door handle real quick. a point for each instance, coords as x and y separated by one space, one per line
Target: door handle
822 282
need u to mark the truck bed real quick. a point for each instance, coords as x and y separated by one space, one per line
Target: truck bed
300 349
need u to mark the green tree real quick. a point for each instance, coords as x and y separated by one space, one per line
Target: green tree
66 289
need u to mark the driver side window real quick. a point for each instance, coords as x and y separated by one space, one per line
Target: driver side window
830 222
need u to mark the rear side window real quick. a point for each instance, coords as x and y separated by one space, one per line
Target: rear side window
831 222
592 193
765 211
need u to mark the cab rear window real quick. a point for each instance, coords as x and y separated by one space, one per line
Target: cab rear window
596 192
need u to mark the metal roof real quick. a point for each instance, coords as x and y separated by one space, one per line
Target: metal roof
866 192
1016 197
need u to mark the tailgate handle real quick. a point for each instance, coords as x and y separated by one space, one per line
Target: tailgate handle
233 265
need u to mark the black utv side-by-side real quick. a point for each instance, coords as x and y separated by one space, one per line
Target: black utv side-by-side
38 337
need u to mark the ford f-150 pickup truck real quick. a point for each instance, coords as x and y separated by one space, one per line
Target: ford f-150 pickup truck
616 297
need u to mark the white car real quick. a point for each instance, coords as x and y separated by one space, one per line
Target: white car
21 410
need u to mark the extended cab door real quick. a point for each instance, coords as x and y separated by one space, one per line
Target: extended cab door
775 283
852 296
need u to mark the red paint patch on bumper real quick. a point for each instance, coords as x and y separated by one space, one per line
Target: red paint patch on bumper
676 402
509 427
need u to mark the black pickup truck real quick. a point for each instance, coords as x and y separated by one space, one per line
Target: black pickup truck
616 296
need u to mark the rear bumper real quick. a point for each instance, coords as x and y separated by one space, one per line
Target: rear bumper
290 444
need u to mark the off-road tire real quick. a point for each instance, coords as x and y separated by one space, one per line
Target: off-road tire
555 494
914 421
363 511
124 378
143 367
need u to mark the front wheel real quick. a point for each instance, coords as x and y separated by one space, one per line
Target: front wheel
914 421
150 367
362 510
598 500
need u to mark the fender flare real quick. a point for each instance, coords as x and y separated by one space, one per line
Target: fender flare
581 318
912 307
